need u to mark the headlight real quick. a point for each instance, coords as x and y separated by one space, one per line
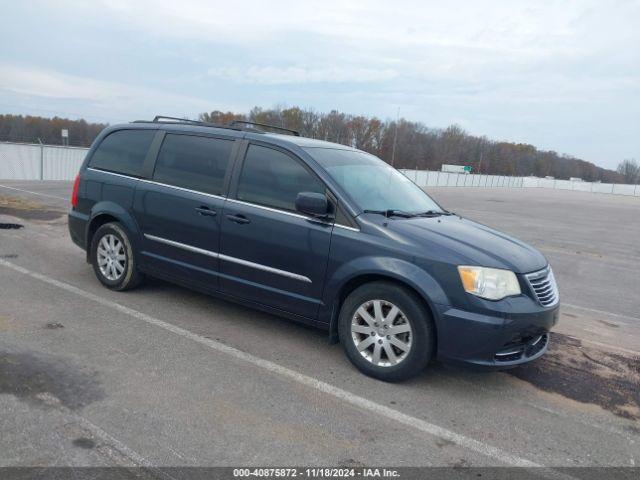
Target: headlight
489 283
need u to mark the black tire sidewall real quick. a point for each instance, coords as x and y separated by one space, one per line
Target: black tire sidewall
129 277
417 315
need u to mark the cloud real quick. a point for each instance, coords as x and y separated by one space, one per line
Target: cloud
112 100
271 75
549 73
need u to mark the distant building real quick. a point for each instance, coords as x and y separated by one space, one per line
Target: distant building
456 168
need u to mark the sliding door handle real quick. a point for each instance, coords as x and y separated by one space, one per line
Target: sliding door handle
238 219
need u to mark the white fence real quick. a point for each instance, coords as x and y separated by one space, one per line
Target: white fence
27 161
425 178
593 187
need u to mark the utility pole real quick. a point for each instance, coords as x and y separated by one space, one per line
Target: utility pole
395 139
41 172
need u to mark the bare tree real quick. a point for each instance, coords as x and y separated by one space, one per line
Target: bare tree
630 170
219 117
16 128
416 146
333 127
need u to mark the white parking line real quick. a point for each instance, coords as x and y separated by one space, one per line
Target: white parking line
117 451
134 457
602 312
355 400
605 345
34 193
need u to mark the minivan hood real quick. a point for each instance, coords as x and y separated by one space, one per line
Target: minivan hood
477 243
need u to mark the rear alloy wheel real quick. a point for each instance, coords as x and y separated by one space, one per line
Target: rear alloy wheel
386 331
113 259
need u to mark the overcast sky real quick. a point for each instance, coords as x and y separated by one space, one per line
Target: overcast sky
560 75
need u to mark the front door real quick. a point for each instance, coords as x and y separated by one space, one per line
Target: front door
269 253
179 211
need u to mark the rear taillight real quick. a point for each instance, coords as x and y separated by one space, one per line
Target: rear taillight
74 193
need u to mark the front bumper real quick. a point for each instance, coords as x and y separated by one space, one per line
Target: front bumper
501 340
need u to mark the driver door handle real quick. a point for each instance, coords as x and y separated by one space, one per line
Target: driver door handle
206 211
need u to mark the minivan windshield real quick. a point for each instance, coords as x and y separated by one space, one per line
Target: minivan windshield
372 183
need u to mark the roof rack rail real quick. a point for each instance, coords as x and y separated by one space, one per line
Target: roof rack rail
275 127
186 121
162 118
240 125
165 119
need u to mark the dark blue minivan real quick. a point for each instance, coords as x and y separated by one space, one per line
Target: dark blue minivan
318 232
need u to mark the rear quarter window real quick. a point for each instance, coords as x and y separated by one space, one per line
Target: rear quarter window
123 152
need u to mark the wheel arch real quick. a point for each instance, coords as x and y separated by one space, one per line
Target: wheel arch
358 280
105 212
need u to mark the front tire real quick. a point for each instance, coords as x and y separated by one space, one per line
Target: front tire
113 259
386 331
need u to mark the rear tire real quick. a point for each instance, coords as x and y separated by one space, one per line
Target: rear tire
386 331
113 258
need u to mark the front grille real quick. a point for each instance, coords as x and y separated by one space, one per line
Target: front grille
544 287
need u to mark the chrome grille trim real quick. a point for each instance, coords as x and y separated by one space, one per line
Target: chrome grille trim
532 349
544 287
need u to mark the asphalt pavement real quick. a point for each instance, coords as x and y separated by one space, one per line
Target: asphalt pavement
165 376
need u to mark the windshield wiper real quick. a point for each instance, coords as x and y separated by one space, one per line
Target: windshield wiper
392 213
434 213
401 213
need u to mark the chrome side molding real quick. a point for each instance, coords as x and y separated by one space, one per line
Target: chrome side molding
227 258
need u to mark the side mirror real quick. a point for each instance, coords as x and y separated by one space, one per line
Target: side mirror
314 204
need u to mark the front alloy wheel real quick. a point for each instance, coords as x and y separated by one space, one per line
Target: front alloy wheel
386 331
381 333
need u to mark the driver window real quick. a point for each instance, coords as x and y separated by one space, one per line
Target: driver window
274 179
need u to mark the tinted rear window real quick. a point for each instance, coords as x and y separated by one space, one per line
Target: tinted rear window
196 163
123 152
